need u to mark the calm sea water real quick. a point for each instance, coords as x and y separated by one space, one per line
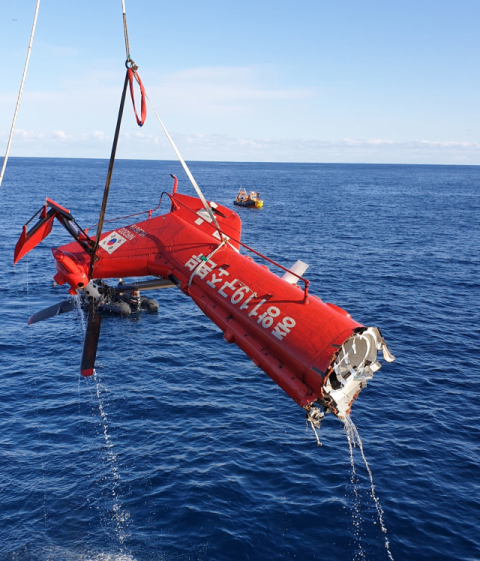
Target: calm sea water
182 449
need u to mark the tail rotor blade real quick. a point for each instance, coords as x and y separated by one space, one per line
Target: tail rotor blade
55 310
91 340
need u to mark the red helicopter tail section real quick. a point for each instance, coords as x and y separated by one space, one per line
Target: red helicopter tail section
30 239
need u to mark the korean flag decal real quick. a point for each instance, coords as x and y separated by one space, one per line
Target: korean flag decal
112 242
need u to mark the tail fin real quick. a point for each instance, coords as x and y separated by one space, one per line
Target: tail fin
29 240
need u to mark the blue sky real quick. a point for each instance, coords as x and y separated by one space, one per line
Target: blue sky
305 81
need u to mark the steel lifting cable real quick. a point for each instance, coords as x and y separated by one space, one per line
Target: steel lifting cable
125 30
12 129
132 72
109 178
130 65
143 115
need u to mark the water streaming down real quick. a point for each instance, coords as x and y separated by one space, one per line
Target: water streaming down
357 499
81 315
354 440
119 514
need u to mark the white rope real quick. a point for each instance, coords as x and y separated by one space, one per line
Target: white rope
20 93
187 171
207 259
179 156
125 30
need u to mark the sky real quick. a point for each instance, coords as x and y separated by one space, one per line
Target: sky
349 81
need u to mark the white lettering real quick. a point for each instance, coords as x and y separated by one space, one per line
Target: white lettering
244 305
279 334
126 233
254 311
272 312
205 268
138 230
229 285
283 328
239 295
214 280
287 324
260 318
193 262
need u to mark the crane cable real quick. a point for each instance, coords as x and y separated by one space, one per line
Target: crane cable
132 71
108 180
131 67
5 159
125 30
177 152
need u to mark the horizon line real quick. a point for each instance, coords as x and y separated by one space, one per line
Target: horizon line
242 162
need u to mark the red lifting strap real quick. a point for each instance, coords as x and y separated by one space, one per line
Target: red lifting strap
142 92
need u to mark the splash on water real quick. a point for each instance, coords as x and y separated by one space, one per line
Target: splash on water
119 514
63 554
354 440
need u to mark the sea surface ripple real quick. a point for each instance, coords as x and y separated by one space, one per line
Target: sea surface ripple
181 449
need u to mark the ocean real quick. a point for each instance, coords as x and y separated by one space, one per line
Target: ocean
180 448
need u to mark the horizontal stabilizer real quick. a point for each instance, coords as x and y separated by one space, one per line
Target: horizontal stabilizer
29 240
299 268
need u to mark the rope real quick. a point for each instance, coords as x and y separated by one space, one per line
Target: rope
20 93
207 259
187 171
123 217
132 71
115 141
125 30
143 115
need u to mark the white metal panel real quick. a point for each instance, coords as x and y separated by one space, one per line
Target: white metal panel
299 268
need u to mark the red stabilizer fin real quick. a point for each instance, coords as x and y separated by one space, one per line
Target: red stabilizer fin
56 206
28 241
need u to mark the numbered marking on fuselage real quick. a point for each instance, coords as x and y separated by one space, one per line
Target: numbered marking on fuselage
241 296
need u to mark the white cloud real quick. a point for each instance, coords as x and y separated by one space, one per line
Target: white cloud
61 135
71 122
21 135
219 147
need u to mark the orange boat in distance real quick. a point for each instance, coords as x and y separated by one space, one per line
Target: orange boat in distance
251 200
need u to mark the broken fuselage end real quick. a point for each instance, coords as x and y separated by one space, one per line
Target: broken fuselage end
352 366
